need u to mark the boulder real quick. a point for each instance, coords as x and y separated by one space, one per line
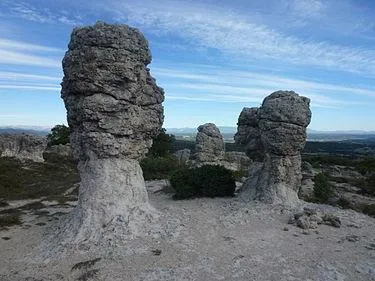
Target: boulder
273 137
114 109
238 159
209 145
22 146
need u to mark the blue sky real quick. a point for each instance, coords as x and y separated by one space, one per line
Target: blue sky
211 57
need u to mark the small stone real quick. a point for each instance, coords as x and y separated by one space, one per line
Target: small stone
332 220
352 238
156 252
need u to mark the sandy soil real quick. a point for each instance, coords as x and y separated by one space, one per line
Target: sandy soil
203 239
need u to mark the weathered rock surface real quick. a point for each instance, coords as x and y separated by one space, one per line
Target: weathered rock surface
183 155
23 147
114 110
209 145
237 160
311 218
273 136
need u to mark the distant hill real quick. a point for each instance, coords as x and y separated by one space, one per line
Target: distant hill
29 131
312 135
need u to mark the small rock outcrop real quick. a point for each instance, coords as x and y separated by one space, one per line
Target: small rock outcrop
237 161
114 109
209 145
183 155
273 137
23 147
311 218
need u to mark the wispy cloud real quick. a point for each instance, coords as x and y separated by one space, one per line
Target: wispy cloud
4 75
31 13
23 53
31 87
223 85
9 57
224 77
19 45
233 33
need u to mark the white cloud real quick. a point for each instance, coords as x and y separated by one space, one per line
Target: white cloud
28 12
307 8
223 85
222 79
234 34
4 75
19 45
31 87
9 57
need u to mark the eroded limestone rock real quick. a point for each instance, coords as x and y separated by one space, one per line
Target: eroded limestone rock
114 110
23 147
209 145
273 136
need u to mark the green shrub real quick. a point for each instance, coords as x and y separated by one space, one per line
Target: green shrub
158 167
215 181
208 181
161 145
10 219
369 210
59 135
344 203
368 186
238 175
322 188
183 181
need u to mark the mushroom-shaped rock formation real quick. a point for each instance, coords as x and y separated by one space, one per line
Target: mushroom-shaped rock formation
114 110
209 145
273 136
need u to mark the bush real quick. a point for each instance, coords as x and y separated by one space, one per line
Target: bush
344 203
9 220
322 188
183 182
161 145
368 186
59 135
208 181
369 210
155 168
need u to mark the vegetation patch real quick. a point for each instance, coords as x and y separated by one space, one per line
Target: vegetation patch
28 180
3 203
155 168
322 188
7 220
59 135
205 181
369 210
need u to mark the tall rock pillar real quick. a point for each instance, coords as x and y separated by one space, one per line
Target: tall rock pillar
274 136
114 109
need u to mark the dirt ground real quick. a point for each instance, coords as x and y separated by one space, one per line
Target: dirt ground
203 239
